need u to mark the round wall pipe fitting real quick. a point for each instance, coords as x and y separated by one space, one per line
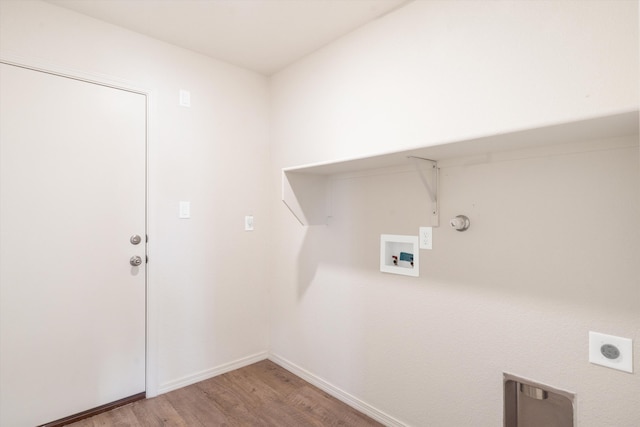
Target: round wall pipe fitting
460 222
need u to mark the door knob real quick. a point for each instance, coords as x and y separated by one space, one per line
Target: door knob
135 261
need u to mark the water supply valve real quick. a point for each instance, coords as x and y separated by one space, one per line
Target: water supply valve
460 222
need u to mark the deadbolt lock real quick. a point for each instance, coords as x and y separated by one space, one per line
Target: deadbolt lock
135 239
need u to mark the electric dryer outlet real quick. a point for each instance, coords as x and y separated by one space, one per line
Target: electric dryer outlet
611 351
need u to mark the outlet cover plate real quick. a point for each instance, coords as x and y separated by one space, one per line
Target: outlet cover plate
618 350
426 237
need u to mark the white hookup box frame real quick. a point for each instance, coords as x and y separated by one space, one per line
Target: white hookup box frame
399 255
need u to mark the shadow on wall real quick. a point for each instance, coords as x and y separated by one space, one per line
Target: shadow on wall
548 227
364 208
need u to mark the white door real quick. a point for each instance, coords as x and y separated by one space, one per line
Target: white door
72 187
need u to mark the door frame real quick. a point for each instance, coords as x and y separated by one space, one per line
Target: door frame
39 65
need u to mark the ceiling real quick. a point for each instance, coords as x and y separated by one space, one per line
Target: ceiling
261 35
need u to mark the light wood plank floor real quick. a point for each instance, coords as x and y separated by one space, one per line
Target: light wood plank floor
262 394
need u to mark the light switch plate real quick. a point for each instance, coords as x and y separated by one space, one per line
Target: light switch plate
184 210
611 351
248 223
185 98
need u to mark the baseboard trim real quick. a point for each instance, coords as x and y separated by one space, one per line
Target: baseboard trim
212 372
95 411
336 392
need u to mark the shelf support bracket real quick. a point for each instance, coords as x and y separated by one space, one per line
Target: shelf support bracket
432 188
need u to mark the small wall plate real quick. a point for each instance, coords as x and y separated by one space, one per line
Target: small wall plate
611 351
399 255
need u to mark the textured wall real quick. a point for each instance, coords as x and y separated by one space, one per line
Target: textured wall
440 71
547 257
428 351
206 307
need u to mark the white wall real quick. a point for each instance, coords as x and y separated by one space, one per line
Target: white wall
553 250
207 285
427 351
439 71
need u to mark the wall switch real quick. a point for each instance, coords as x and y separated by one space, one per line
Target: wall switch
184 210
248 223
426 237
611 351
185 98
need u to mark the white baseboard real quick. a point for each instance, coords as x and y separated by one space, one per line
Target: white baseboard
336 392
212 372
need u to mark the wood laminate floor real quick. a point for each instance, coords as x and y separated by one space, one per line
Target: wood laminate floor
262 394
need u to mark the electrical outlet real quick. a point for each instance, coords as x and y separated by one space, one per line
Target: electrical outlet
426 237
611 351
